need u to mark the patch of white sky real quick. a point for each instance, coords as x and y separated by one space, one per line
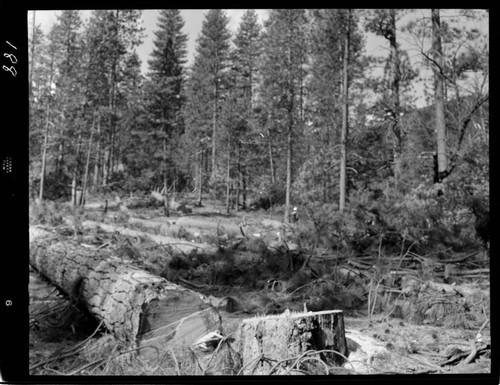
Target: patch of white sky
375 45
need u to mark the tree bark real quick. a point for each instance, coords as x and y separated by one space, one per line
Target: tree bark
439 96
228 173
238 183
288 170
345 118
32 55
245 178
166 203
214 128
97 168
44 154
271 158
139 308
395 96
87 163
76 199
200 177
287 336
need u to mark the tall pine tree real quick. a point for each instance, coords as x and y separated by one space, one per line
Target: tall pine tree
285 55
212 62
166 87
246 58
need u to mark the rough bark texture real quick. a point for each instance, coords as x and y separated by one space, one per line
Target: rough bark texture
289 335
439 96
138 307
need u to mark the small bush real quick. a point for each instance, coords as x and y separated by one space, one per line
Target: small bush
47 212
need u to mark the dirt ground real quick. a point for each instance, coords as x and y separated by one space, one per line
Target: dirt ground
381 337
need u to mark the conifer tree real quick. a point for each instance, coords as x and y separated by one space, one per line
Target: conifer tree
246 55
68 40
283 74
213 61
165 88
110 36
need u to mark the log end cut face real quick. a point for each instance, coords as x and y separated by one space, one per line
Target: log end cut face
177 319
143 308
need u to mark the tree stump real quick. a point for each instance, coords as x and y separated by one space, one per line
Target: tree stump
139 308
263 342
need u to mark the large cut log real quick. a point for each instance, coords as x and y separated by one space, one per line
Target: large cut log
180 245
263 342
139 308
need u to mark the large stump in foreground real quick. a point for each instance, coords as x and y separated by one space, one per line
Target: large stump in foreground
265 341
139 308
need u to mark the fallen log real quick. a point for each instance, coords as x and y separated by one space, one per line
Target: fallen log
179 245
224 229
160 227
466 291
139 308
265 341
216 225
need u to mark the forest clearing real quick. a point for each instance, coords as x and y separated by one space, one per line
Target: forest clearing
292 199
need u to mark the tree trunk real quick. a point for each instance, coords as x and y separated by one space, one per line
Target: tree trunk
395 96
166 202
76 201
288 170
287 336
32 56
139 308
44 154
200 176
245 183
174 192
439 96
345 119
87 163
214 128
104 167
238 183
271 159
98 156
228 174
60 147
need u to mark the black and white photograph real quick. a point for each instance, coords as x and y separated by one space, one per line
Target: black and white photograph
258 192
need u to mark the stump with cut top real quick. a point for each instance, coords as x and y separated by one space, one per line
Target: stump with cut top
274 343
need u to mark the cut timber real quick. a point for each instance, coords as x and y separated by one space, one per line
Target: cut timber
139 308
264 341
217 225
179 245
160 227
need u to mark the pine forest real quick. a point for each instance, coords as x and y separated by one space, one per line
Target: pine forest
225 204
